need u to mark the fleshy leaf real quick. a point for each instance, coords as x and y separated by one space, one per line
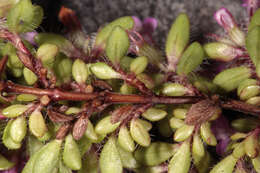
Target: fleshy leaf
117 45
177 39
126 22
231 78
191 59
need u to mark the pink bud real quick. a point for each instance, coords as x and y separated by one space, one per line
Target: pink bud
251 5
225 19
138 24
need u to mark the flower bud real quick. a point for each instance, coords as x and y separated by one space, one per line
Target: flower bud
176 123
125 140
109 160
155 154
227 21
104 126
37 124
79 71
177 40
174 89
231 78
181 160
7 139
46 53
4 163
252 146
221 51
103 71
18 129
139 133
207 135
226 165
14 110
183 133
139 64
29 76
117 45
71 154
154 114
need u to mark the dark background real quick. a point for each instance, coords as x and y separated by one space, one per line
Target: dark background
94 13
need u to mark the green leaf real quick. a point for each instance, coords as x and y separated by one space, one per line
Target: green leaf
231 78
47 157
71 154
6 138
177 39
253 47
139 64
155 154
14 110
253 44
24 17
103 71
29 76
255 20
181 160
79 71
117 45
5 164
126 22
191 59
109 158
225 166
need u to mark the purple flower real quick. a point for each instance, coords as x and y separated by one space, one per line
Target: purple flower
146 27
251 5
29 36
225 19
222 131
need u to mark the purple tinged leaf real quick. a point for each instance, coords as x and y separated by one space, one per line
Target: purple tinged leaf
29 36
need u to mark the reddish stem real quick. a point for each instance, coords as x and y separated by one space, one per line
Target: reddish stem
25 56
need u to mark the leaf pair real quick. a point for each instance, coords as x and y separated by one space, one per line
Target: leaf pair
177 41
